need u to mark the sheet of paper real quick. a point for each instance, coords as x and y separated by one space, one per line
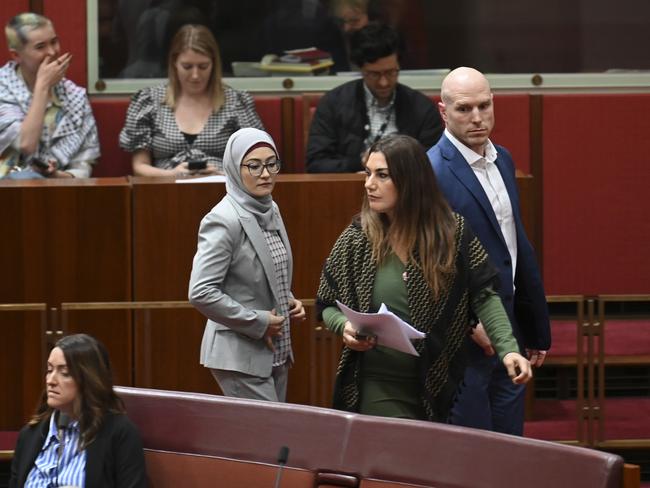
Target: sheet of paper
204 179
391 331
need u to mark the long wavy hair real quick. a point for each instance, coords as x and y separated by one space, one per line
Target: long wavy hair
199 39
90 367
422 222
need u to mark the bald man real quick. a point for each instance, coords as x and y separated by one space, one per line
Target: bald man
478 179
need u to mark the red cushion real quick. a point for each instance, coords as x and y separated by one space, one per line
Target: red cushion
595 181
269 108
110 113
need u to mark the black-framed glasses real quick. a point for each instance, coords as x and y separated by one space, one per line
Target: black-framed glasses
256 168
390 74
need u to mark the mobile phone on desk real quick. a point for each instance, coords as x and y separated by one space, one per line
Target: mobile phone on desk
197 164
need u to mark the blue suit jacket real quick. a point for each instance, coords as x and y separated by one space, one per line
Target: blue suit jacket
527 309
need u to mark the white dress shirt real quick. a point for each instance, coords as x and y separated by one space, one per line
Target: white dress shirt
495 189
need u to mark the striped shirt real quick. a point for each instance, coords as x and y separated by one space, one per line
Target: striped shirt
49 470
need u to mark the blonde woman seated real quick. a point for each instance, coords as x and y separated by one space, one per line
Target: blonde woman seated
182 126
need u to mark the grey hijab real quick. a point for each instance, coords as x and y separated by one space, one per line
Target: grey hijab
262 208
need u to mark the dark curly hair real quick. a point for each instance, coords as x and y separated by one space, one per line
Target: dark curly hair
373 42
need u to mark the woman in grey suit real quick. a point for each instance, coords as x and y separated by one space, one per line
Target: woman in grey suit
241 276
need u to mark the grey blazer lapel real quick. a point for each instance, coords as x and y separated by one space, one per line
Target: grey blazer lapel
256 236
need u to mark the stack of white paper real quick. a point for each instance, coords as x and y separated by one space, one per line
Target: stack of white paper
391 331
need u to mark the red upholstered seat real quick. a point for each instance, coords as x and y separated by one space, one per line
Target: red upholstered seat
623 337
269 108
110 113
595 206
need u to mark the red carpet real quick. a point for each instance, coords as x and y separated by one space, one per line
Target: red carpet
625 418
554 420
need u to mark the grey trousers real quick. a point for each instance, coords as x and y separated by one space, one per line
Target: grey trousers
241 385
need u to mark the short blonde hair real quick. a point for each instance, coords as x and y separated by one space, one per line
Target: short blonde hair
199 39
19 26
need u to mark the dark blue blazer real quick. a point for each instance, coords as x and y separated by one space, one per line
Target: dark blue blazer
527 309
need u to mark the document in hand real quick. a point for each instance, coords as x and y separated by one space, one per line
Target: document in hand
391 331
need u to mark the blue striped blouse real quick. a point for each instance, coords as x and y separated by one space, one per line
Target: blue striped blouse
49 470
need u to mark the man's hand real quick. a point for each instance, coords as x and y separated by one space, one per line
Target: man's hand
296 310
481 338
518 367
51 71
536 357
274 329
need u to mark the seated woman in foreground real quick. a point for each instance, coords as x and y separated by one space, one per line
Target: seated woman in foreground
407 249
79 435
181 127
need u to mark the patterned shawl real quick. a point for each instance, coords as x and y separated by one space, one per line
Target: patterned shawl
348 276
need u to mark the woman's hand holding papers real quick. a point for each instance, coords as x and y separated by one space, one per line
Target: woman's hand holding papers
352 339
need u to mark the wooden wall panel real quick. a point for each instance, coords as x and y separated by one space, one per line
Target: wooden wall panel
63 242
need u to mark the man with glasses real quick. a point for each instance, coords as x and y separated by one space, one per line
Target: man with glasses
354 115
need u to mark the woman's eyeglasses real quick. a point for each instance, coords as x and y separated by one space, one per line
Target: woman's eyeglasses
256 169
